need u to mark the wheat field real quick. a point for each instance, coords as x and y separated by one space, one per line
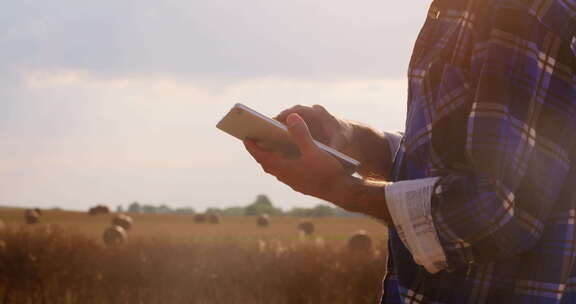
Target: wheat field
172 259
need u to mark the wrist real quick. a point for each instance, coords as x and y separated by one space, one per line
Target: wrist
372 149
340 191
362 196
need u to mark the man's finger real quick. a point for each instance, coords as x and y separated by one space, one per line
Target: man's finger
321 109
338 142
301 134
295 109
270 161
259 154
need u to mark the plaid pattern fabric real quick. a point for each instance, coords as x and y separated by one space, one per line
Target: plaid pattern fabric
492 114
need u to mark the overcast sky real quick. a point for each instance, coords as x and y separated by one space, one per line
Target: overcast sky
116 101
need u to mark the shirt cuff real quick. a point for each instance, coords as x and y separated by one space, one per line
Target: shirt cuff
409 204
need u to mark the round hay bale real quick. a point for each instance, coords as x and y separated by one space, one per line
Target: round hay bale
320 243
263 220
360 241
114 236
39 211
99 209
306 227
200 218
31 216
213 218
123 221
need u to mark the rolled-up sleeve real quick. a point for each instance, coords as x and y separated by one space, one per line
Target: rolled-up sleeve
409 205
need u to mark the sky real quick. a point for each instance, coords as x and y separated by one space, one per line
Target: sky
115 101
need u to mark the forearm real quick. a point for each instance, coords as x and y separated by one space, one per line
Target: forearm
362 196
371 148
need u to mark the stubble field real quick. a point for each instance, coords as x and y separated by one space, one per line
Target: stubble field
172 259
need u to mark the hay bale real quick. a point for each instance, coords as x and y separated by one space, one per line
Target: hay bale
263 220
320 243
31 216
360 241
99 209
213 218
200 218
114 236
123 221
306 227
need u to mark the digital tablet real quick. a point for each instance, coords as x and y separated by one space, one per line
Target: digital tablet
243 122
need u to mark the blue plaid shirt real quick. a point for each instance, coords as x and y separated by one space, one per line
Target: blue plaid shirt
492 114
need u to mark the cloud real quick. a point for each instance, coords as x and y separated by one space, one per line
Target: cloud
113 101
82 138
216 39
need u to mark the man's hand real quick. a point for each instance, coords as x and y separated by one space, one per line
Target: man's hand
324 127
315 172
362 143
319 174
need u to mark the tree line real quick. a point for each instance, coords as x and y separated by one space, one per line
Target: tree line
261 205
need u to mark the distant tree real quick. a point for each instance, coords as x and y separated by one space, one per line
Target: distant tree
263 199
322 211
299 212
233 211
213 210
163 209
262 205
185 210
316 211
135 207
148 209
119 209
341 212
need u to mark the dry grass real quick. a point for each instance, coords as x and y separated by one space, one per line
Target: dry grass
170 259
335 231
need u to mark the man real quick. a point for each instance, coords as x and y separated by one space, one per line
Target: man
480 196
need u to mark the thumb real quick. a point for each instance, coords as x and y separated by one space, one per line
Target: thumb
299 131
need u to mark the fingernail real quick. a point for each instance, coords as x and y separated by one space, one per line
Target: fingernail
292 120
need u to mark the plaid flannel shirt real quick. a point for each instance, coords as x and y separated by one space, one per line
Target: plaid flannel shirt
484 193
